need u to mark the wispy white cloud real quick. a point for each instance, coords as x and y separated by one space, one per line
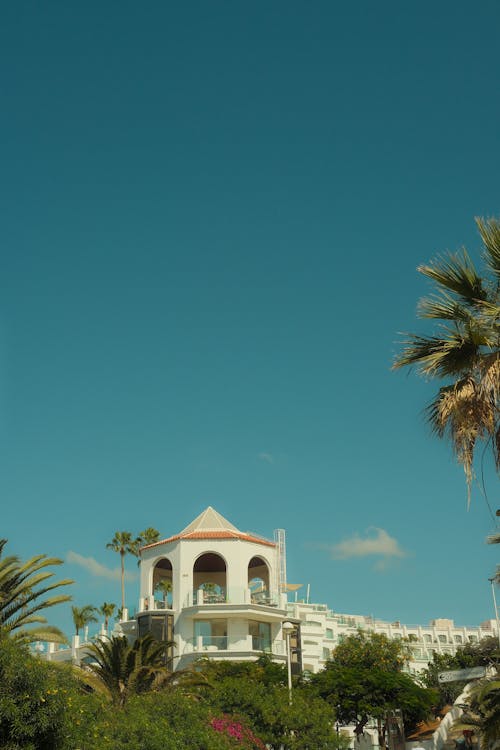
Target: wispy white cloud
97 569
267 457
379 543
376 543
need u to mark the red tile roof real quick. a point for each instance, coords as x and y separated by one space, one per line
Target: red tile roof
216 534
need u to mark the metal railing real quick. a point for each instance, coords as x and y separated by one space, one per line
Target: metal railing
233 595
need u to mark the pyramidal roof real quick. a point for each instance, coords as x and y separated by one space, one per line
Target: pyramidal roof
209 520
211 525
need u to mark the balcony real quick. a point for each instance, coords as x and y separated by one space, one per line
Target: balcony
150 603
233 596
205 644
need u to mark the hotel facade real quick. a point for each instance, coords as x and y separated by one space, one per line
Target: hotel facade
221 593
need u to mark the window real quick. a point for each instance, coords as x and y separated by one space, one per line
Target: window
261 635
329 634
212 633
458 639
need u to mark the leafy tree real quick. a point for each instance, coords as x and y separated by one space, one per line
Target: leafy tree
126 669
42 706
256 695
364 679
23 586
483 653
107 609
165 720
264 670
123 543
464 351
82 616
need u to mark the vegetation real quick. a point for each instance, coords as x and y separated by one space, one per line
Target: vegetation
256 695
364 680
82 616
108 610
484 715
164 587
484 653
148 536
124 544
464 350
23 587
125 669
41 706
219 706
126 694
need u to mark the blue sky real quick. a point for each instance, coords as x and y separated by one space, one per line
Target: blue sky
210 219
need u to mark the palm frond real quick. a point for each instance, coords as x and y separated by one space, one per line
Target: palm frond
448 355
456 272
461 413
489 229
22 588
126 669
444 307
47 633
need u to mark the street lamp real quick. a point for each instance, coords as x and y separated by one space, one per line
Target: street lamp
288 628
493 581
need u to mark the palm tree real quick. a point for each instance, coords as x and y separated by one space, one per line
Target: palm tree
464 351
123 543
108 610
125 670
484 698
164 586
148 536
22 588
82 616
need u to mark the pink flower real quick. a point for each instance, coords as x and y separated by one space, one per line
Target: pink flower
245 736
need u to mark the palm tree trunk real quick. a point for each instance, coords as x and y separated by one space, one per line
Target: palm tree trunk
122 556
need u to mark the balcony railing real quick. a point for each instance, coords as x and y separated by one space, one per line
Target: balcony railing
232 595
210 643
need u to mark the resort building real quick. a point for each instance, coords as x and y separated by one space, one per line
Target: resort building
217 591
322 630
221 593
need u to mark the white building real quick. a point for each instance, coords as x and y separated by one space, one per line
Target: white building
215 591
221 593
322 630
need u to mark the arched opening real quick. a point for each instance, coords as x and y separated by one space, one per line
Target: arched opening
209 579
258 581
162 584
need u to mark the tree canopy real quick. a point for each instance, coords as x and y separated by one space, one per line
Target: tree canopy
463 350
23 590
364 679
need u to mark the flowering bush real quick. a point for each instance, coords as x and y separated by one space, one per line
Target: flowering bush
235 729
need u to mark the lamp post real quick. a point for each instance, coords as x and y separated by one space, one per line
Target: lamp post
493 581
288 628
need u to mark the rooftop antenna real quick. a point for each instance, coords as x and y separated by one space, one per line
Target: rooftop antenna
280 541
